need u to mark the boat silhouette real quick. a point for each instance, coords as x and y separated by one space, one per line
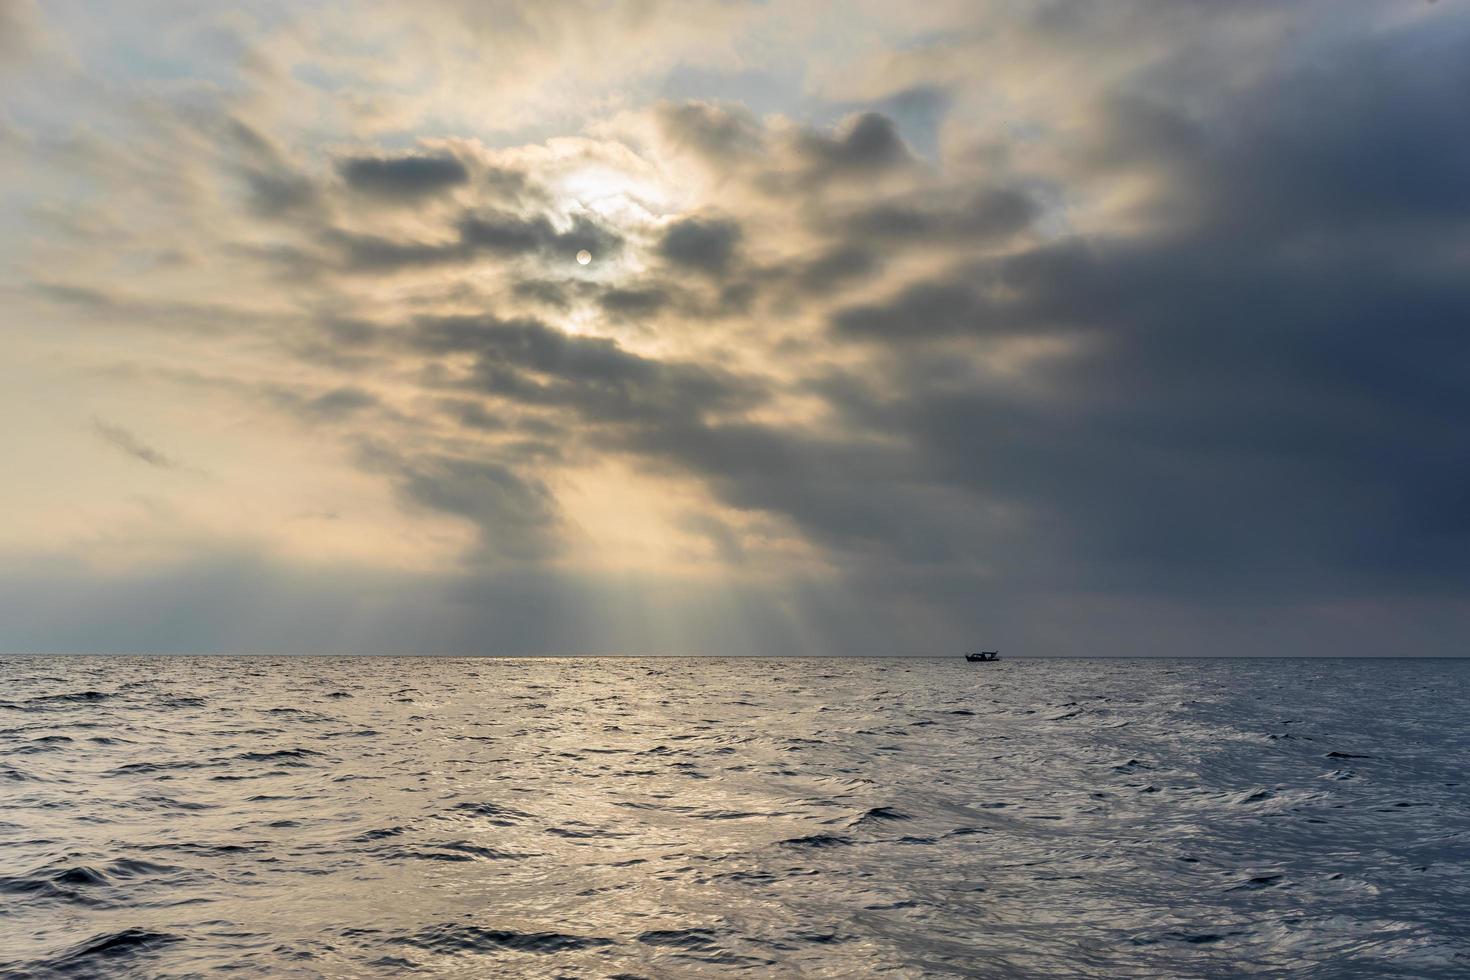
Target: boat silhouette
983 657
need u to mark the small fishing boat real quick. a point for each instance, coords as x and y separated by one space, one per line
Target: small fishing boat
983 657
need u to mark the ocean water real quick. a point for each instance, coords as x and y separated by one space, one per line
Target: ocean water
341 817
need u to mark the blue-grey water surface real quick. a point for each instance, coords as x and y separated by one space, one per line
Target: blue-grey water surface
169 817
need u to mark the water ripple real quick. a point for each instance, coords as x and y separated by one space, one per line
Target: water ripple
651 818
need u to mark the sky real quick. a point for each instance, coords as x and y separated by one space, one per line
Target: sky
1063 328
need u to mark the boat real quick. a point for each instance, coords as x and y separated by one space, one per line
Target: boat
983 657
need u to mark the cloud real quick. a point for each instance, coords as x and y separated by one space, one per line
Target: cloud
1259 395
403 178
515 515
838 265
919 111
274 186
527 362
338 404
20 31
273 194
1106 317
484 232
704 244
989 214
124 441
641 301
864 145
923 310
725 135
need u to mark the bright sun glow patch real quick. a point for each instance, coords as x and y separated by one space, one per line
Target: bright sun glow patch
610 193
583 257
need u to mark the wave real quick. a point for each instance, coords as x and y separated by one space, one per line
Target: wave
458 938
95 956
781 818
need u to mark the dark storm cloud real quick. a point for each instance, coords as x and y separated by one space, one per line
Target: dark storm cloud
1260 398
1053 288
992 213
349 333
525 361
502 233
1175 321
868 143
515 514
487 232
376 253
1312 148
343 343
545 292
124 441
638 301
723 135
403 178
274 187
1270 389
512 185
731 141
853 496
279 192
705 244
473 415
530 344
835 267
923 310
918 111
342 401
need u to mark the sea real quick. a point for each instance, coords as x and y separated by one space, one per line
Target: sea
666 817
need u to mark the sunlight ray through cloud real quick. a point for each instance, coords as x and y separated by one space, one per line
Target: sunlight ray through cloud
938 312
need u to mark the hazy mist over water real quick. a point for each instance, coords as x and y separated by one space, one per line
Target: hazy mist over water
660 818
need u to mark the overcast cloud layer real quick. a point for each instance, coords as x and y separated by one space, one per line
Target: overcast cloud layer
1068 328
